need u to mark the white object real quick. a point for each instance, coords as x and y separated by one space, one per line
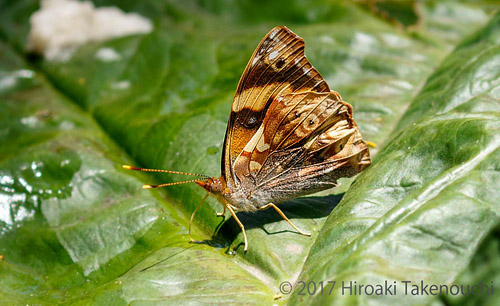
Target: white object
61 26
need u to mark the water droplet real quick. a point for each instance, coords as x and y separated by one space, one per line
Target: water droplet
25 184
107 55
31 121
121 85
6 180
66 125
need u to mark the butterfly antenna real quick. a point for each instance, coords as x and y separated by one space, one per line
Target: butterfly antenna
166 171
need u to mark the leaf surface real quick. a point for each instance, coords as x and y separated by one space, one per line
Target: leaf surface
76 228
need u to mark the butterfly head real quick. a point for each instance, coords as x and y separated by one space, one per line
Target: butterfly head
212 185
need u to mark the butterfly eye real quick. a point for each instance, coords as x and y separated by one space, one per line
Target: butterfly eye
311 122
297 114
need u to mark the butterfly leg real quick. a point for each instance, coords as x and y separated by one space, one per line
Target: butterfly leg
192 217
284 217
240 224
221 214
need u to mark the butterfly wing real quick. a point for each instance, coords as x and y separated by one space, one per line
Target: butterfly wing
310 140
306 138
277 68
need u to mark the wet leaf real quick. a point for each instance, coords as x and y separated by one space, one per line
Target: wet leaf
75 227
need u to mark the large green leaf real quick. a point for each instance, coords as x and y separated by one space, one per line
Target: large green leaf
76 228
411 222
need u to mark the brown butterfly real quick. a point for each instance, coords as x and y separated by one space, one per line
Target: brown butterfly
288 134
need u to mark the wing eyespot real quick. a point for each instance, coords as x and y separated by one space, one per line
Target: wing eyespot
251 121
280 63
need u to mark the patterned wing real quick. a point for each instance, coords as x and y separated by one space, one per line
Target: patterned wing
277 68
308 136
315 140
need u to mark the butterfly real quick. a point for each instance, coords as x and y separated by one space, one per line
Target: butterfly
288 134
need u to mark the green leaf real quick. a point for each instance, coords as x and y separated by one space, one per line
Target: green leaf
483 271
423 221
77 228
